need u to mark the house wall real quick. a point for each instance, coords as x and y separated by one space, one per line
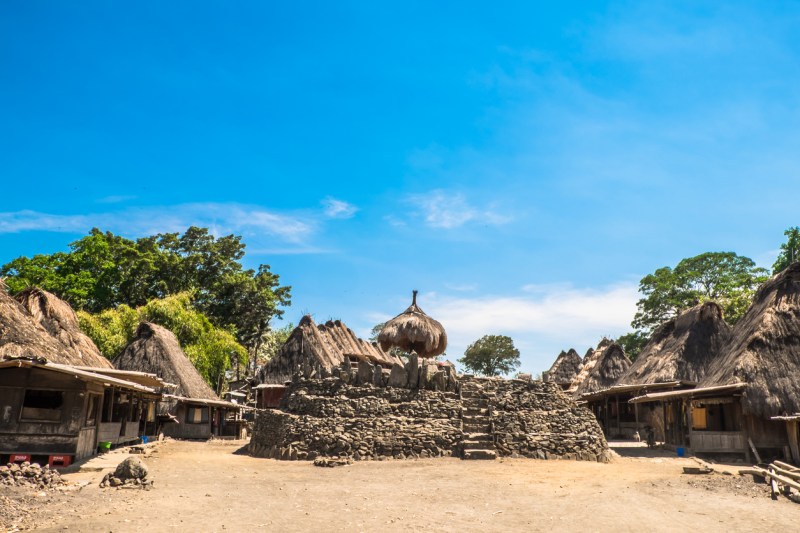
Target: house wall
185 430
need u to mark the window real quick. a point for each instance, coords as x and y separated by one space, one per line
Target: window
699 418
42 405
196 415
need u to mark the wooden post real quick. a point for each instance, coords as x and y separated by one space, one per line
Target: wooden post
619 429
606 422
690 416
791 429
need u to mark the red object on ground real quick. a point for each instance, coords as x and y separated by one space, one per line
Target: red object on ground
19 458
59 460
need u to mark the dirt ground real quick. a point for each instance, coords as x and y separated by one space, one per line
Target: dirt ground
211 487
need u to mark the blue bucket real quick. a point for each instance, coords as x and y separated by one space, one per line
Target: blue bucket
144 439
681 452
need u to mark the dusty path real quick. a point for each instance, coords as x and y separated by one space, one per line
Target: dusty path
207 487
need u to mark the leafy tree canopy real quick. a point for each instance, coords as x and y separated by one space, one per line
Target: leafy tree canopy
212 350
790 250
103 271
633 343
724 277
491 355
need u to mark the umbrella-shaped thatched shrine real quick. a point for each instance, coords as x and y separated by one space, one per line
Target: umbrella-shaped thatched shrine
414 331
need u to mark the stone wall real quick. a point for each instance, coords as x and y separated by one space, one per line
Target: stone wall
332 418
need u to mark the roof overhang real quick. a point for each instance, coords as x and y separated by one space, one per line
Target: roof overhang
703 392
142 378
202 401
642 388
787 418
79 373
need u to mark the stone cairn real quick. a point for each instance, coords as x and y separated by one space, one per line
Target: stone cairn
129 473
30 474
413 411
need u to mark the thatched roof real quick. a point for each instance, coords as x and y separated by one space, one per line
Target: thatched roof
21 335
324 346
565 368
682 348
414 331
156 350
59 320
764 349
588 354
602 369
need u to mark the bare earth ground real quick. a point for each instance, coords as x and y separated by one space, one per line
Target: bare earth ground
210 487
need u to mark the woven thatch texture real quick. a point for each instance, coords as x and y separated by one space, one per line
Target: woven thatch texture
22 336
764 349
324 346
414 331
59 320
682 348
565 368
156 350
602 369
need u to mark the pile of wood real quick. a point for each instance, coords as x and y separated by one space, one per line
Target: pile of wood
783 479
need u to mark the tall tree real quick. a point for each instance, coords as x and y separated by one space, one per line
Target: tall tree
491 355
790 250
633 343
724 277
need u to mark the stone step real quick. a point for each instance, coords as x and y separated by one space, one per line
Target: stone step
470 394
480 454
470 429
481 411
477 444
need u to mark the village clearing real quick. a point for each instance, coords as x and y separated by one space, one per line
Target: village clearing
211 486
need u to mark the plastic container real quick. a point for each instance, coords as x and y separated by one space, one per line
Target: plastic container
681 452
104 446
144 439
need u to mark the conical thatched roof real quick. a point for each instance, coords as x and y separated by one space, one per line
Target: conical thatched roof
324 346
156 350
414 331
602 369
764 349
565 368
22 335
588 354
59 320
682 348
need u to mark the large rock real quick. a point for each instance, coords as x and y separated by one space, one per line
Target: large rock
426 376
398 376
131 468
377 376
440 380
413 370
365 372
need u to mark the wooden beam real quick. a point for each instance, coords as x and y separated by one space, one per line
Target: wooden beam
791 428
753 447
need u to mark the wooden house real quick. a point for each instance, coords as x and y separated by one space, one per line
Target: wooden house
564 369
190 408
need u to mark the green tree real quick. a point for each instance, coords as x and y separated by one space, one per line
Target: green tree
633 343
724 277
491 355
272 342
103 271
790 250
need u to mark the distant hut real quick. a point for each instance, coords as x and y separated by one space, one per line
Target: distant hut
588 354
414 331
752 380
677 356
320 350
605 366
195 407
59 320
565 368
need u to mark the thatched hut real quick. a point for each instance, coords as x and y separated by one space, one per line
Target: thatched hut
603 368
59 320
565 368
414 331
321 349
22 336
753 379
195 407
677 356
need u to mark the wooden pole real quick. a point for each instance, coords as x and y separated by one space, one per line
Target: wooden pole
619 430
791 428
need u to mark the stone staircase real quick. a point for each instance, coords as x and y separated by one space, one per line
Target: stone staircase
476 423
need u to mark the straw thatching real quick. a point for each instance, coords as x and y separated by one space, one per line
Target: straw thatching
156 350
602 369
681 349
414 331
588 354
565 368
59 320
22 335
324 347
764 349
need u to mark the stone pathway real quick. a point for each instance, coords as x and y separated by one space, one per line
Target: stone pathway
476 423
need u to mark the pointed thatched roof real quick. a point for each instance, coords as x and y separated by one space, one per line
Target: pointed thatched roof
682 348
588 354
156 350
602 369
414 331
22 335
324 346
59 320
565 368
764 349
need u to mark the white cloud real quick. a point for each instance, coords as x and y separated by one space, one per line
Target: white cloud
221 218
334 208
447 210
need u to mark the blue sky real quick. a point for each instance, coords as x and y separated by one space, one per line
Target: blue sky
523 166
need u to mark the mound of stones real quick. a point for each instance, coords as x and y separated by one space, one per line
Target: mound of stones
129 473
30 474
